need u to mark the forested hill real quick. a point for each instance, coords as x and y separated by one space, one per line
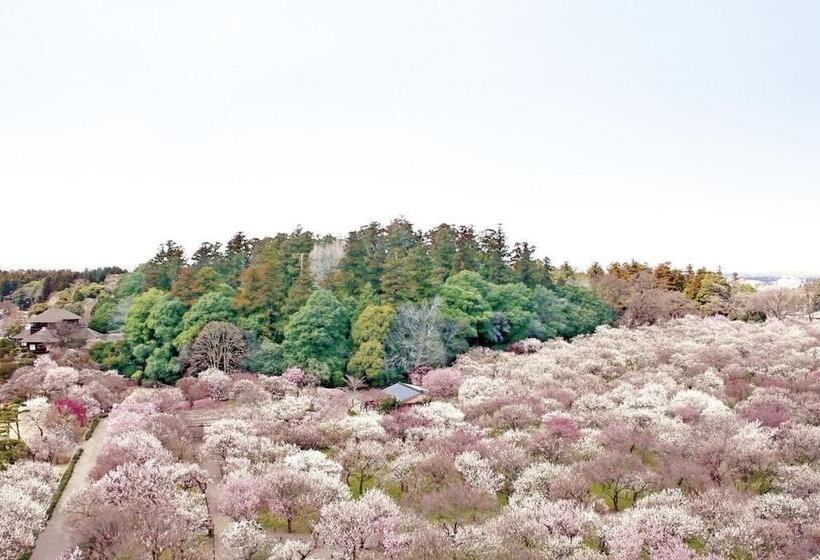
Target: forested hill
378 304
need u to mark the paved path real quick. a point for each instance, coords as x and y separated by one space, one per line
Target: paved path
220 521
55 538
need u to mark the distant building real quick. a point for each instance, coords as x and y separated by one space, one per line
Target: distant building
54 327
402 393
405 393
52 317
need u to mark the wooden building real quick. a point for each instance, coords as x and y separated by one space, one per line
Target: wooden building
54 327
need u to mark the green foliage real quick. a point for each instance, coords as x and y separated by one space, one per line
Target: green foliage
368 332
12 357
712 285
268 358
388 403
213 306
494 255
108 314
27 287
299 292
92 426
702 285
9 419
317 336
585 311
517 304
502 313
11 451
161 271
263 291
372 323
161 365
152 323
368 360
111 355
464 298
131 284
457 288
58 493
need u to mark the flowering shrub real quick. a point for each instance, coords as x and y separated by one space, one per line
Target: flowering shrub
442 383
697 439
25 491
142 503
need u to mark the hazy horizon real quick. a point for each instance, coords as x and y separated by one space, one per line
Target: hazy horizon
682 133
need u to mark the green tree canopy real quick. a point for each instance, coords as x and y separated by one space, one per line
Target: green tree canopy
213 306
368 332
152 323
317 334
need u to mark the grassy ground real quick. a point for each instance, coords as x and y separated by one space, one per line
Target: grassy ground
392 490
300 524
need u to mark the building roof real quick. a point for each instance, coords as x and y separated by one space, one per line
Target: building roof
20 336
403 392
54 315
43 336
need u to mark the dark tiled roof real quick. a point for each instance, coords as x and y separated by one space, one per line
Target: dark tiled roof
54 315
43 336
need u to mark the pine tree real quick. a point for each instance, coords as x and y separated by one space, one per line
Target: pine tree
467 250
494 255
162 270
524 267
443 251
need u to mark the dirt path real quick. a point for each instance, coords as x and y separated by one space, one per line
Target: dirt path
197 420
55 538
220 521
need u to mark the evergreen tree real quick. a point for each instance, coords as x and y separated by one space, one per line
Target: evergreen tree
162 270
208 254
294 249
467 250
316 337
363 262
299 292
367 333
525 268
494 255
238 252
262 291
191 283
443 252
564 273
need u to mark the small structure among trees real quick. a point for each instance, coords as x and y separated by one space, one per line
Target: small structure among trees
398 394
54 327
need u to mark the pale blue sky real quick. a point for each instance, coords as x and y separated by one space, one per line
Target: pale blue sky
685 131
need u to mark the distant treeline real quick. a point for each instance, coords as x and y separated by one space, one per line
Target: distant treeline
27 287
383 301
377 304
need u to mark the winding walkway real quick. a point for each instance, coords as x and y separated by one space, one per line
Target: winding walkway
55 538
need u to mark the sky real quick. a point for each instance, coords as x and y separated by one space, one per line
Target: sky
662 131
